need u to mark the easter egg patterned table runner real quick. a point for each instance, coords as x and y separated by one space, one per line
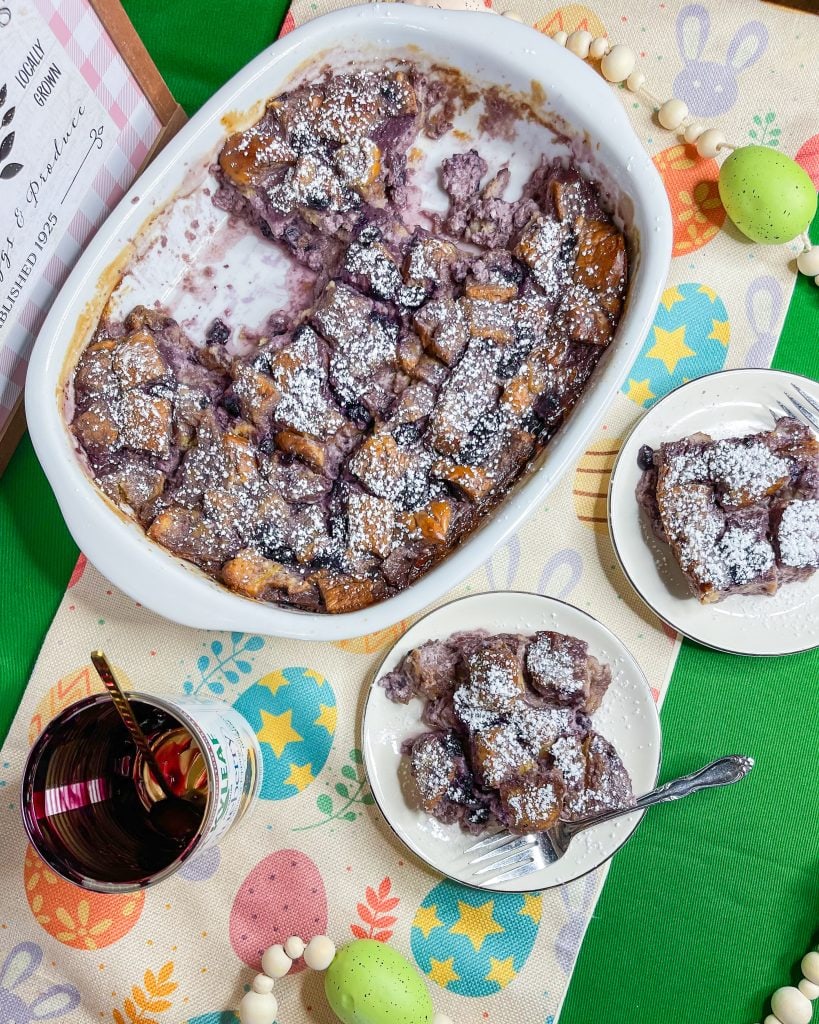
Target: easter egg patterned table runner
316 855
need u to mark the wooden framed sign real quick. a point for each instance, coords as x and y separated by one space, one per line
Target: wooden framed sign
82 109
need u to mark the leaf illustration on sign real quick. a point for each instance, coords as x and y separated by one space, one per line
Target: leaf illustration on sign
7 144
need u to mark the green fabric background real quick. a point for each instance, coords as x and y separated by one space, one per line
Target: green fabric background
713 904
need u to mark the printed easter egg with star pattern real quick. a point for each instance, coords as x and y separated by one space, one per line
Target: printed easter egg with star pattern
372 642
74 916
471 942
693 194
293 713
689 338
283 895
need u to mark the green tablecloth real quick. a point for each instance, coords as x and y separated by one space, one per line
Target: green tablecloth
711 907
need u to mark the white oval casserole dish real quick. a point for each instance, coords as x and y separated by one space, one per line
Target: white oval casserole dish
493 51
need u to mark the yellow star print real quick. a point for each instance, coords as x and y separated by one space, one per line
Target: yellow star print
327 718
670 347
301 775
720 331
441 972
639 392
671 296
704 289
274 681
532 907
476 923
501 971
426 918
277 730
310 673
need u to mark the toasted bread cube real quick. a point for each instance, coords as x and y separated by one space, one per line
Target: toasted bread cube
425 259
583 319
539 248
485 319
434 520
490 291
253 575
137 360
257 393
311 451
186 532
499 756
94 373
442 328
344 593
370 521
473 482
601 261
96 427
380 464
532 803
145 423
359 164
250 155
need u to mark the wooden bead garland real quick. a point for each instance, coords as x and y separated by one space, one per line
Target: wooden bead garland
260 1006
792 1005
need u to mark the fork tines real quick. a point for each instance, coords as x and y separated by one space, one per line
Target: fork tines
798 409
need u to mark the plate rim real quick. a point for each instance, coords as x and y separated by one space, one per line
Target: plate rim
620 560
368 704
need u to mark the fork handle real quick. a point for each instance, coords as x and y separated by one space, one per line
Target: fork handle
719 773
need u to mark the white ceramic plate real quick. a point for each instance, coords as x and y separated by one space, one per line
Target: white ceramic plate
152 219
627 718
725 404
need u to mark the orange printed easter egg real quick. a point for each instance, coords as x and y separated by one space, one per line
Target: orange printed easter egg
571 18
591 483
74 916
80 683
691 184
373 642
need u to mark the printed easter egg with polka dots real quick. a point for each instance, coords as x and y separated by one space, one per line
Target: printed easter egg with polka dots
689 338
571 18
283 895
74 916
693 194
471 942
293 713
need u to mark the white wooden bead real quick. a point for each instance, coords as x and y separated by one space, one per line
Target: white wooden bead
261 983
770 1019
810 961
693 132
275 962
709 142
672 114
808 263
258 1008
599 47
513 16
635 81
816 280
578 43
560 37
441 1018
294 947
320 953
618 63
807 988
790 1006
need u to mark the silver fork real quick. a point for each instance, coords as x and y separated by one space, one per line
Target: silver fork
798 409
514 856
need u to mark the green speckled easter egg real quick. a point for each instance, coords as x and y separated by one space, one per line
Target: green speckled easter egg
369 983
767 195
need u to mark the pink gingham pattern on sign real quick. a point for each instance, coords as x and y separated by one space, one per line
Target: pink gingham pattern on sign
91 49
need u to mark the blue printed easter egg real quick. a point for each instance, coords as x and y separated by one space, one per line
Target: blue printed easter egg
689 338
293 712
473 942
216 1017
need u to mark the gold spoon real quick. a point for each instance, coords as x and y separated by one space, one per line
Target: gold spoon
176 816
